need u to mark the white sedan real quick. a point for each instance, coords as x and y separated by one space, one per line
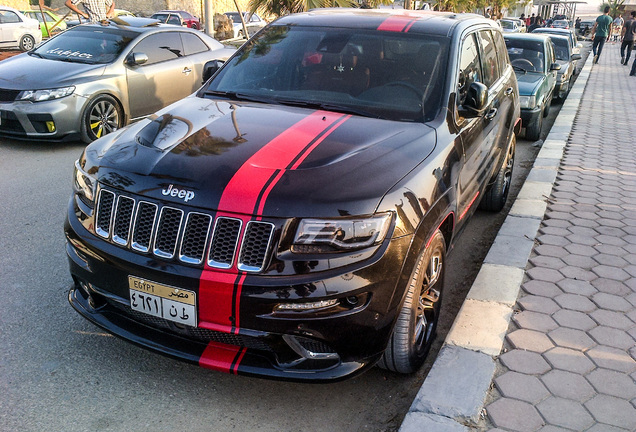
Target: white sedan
18 31
253 23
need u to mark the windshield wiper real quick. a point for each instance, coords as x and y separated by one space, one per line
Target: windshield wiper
33 53
519 68
327 107
237 96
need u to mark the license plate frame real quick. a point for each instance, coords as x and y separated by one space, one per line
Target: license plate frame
163 301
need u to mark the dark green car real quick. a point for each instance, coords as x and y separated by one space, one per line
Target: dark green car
532 57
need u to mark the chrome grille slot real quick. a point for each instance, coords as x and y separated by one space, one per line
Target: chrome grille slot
168 232
255 246
104 213
224 242
144 222
123 220
173 233
195 236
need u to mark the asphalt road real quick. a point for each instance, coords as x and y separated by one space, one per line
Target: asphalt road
60 373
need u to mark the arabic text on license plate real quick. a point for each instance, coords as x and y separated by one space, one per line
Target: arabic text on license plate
152 298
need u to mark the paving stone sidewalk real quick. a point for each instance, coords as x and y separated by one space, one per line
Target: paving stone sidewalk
546 340
570 352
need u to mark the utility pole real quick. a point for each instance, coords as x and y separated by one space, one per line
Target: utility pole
209 17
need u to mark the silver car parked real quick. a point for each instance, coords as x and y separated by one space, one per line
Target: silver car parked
93 79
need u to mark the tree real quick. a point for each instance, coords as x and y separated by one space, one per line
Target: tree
615 7
284 7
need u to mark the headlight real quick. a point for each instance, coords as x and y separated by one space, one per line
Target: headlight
323 235
45 95
84 184
527 101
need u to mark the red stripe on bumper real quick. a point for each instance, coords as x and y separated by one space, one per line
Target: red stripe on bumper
221 357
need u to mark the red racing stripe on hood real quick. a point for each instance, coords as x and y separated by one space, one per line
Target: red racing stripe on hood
245 195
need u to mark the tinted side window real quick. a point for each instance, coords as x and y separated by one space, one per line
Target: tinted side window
502 52
161 47
174 20
469 68
489 60
550 55
192 44
8 17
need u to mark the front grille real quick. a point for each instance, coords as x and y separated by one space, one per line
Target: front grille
255 243
226 234
8 95
172 233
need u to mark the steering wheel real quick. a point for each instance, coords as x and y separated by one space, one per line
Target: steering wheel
409 86
523 63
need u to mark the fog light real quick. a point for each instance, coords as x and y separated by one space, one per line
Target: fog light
306 306
50 126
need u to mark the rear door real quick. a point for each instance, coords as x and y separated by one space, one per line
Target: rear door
166 77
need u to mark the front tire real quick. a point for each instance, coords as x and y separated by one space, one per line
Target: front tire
415 329
496 195
102 116
27 43
533 130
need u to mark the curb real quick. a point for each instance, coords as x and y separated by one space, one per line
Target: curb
468 355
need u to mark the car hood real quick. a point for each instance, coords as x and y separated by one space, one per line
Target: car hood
26 72
253 158
529 83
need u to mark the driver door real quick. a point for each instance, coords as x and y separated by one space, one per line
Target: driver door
166 77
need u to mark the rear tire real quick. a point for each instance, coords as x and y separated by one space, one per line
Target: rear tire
416 325
27 43
496 195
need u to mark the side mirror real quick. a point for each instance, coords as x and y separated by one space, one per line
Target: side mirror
136 59
576 57
210 69
555 67
476 100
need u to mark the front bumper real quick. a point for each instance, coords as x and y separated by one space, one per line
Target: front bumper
529 116
298 346
54 120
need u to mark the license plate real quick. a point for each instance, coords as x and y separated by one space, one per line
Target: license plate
163 301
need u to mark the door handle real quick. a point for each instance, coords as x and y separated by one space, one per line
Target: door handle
186 70
491 114
508 91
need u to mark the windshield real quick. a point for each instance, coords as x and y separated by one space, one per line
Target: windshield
91 45
526 54
507 24
561 49
387 75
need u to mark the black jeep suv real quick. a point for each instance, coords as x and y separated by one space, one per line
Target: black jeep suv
292 218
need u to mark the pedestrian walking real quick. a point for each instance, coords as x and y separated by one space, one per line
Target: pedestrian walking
94 10
617 28
628 36
600 33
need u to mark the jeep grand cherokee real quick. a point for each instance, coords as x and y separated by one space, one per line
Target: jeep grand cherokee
292 218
